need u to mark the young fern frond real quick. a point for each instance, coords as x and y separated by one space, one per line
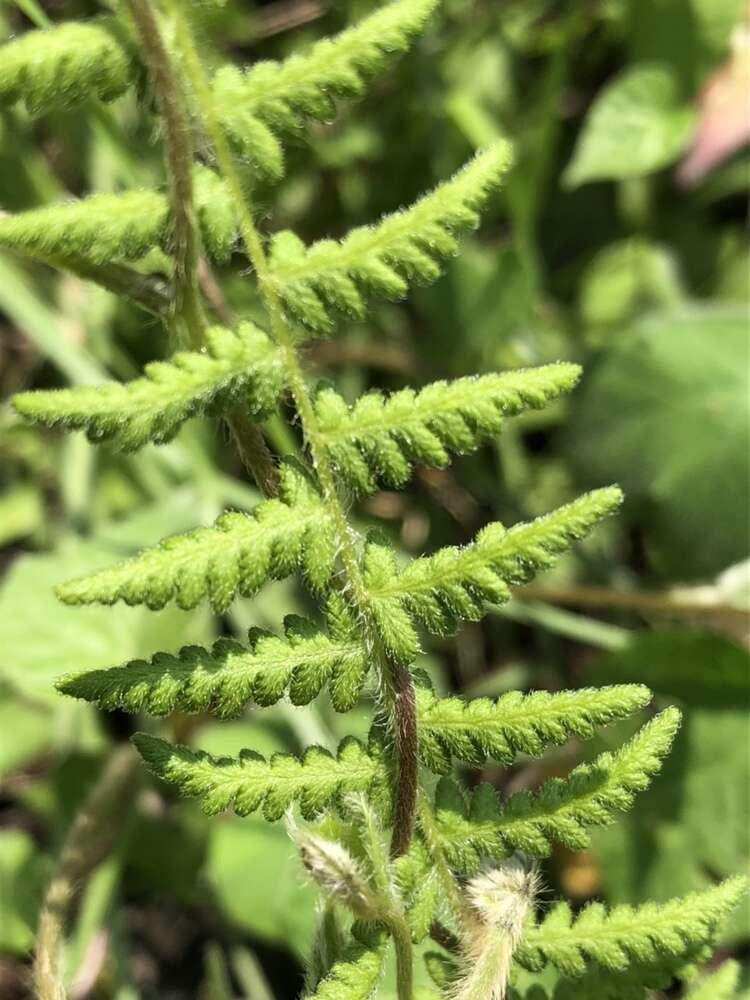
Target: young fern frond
613 939
452 584
383 259
560 810
250 782
357 975
419 885
242 364
118 227
381 436
224 678
235 556
64 66
274 98
473 731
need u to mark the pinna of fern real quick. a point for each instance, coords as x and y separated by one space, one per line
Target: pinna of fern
375 602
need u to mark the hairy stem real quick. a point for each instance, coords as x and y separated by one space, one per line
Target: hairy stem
396 681
179 151
86 844
188 308
253 450
402 945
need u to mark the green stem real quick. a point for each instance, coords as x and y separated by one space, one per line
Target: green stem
188 308
87 843
402 944
396 679
179 151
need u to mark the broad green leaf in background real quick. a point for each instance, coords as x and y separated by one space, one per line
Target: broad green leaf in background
714 20
624 278
23 873
637 125
694 824
664 412
698 669
41 638
258 881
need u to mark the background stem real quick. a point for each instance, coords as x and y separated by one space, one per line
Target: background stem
87 843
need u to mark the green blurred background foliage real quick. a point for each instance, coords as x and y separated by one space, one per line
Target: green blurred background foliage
618 243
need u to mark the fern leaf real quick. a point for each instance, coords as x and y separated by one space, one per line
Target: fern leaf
275 97
380 437
222 679
250 782
560 810
119 227
236 364
64 66
479 729
237 555
453 583
382 259
642 933
217 218
357 975
419 886
101 228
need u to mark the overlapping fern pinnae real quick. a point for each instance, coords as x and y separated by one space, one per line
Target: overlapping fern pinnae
224 678
482 728
274 98
560 810
237 365
357 975
381 436
63 66
250 782
614 939
118 227
453 583
235 556
383 258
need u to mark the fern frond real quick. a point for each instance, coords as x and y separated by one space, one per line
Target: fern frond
419 886
357 975
453 583
560 810
64 66
383 258
250 782
274 98
119 227
380 437
642 933
222 679
216 213
236 364
476 730
237 555
101 228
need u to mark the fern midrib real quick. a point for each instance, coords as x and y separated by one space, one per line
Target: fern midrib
529 716
242 775
214 537
139 398
317 62
541 811
666 917
422 412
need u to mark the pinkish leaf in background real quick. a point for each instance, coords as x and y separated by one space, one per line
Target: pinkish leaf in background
724 112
